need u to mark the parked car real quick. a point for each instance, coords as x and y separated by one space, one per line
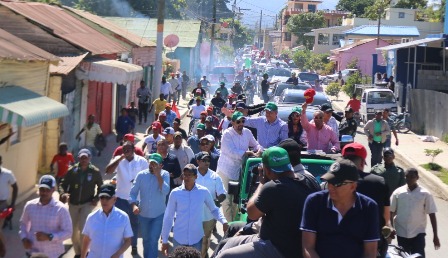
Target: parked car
373 99
296 96
228 71
345 74
278 74
277 90
308 77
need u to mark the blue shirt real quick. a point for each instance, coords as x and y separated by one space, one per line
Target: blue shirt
170 117
124 125
268 134
188 206
193 142
345 235
152 198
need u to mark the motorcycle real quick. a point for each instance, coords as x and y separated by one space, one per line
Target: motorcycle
402 121
397 252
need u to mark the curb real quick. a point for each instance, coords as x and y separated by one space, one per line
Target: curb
437 186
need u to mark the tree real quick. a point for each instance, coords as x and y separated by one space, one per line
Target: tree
241 36
300 58
378 8
355 7
300 24
411 4
306 59
436 15
333 89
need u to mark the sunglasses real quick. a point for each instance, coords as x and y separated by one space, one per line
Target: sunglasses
337 185
242 121
105 197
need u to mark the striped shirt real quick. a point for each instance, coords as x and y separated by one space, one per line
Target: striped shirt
52 218
268 134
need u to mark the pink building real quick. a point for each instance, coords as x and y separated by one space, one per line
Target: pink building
362 51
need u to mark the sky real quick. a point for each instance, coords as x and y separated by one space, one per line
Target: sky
270 8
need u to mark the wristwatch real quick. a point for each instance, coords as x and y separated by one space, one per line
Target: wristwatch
50 236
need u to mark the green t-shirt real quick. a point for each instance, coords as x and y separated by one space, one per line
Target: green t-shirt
377 129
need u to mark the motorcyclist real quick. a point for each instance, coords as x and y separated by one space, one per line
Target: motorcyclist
237 88
249 89
240 76
223 90
222 78
217 103
205 84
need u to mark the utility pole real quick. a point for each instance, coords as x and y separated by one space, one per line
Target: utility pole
212 37
380 11
281 35
259 30
157 78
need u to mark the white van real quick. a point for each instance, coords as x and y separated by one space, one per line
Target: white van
373 99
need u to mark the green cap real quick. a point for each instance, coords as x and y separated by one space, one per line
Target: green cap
200 126
237 115
271 106
277 159
297 110
222 83
156 157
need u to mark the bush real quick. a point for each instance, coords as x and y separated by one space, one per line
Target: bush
349 87
333 89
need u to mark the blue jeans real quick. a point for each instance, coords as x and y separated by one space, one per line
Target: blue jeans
150 229
387 142
125 206
197 246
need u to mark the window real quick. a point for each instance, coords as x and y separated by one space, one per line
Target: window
401 15
287 36
322 39
285 19
312 8
298 6
337 38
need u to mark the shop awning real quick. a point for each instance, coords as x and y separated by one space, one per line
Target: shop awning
109 71
23 107
410 44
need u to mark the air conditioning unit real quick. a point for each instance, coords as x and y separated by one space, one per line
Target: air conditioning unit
405 40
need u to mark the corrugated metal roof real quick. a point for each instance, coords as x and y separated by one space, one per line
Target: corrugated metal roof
131 37
186 30
67 64
15 103
66 26
14 48
410 44
353 45
372 30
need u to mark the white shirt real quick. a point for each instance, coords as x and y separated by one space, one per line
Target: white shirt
233 147
126 173
197 110
411 208
107 233
213 182
6 180
165 88
188 207
184 154
174 83
151 143
92 133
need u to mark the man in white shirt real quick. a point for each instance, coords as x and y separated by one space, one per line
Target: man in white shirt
187 202
235 143
107 232
196 110
210 180
409 205
7 180
127 166
174 84
165 89
183 153
151 140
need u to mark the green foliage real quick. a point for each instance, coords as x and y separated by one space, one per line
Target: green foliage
349 86
411 4
376 9
242 34
300 58
306 59
333 89
226 54
329 68
435 15
353 64
445 138
355 7
300 24
433 153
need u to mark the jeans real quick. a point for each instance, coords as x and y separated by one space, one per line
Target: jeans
150 229
376 148
413 245
196 246
177 98
125 206
265 98
387 142
142 112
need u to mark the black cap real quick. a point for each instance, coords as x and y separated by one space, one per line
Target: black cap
326 107
107 190
241 105
388 151
289 145
340 171
202 155
176 120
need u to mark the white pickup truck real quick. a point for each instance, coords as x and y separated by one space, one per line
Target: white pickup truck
375 98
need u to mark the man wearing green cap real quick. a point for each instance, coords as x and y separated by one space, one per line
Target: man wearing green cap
193 141
235 143
279 199
224 92
270 129
153 185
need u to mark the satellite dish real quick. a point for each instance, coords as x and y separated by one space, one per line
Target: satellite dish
225 24
171 40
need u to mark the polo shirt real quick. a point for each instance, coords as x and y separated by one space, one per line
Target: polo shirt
6 180
213 182
126 173
411 208
63 163
345 237
171 164
377 129
107 233
393 176
159 105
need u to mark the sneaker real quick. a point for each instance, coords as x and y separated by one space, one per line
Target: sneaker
134 250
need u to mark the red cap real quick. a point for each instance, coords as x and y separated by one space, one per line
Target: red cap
129 137
157 125
354 149
210 108
204 113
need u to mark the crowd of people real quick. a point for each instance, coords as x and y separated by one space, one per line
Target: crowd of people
179 184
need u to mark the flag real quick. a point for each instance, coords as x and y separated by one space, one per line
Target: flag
175 109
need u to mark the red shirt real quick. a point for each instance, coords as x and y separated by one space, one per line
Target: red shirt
63 162
355 104
119 150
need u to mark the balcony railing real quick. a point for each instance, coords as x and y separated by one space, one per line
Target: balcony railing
325 11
